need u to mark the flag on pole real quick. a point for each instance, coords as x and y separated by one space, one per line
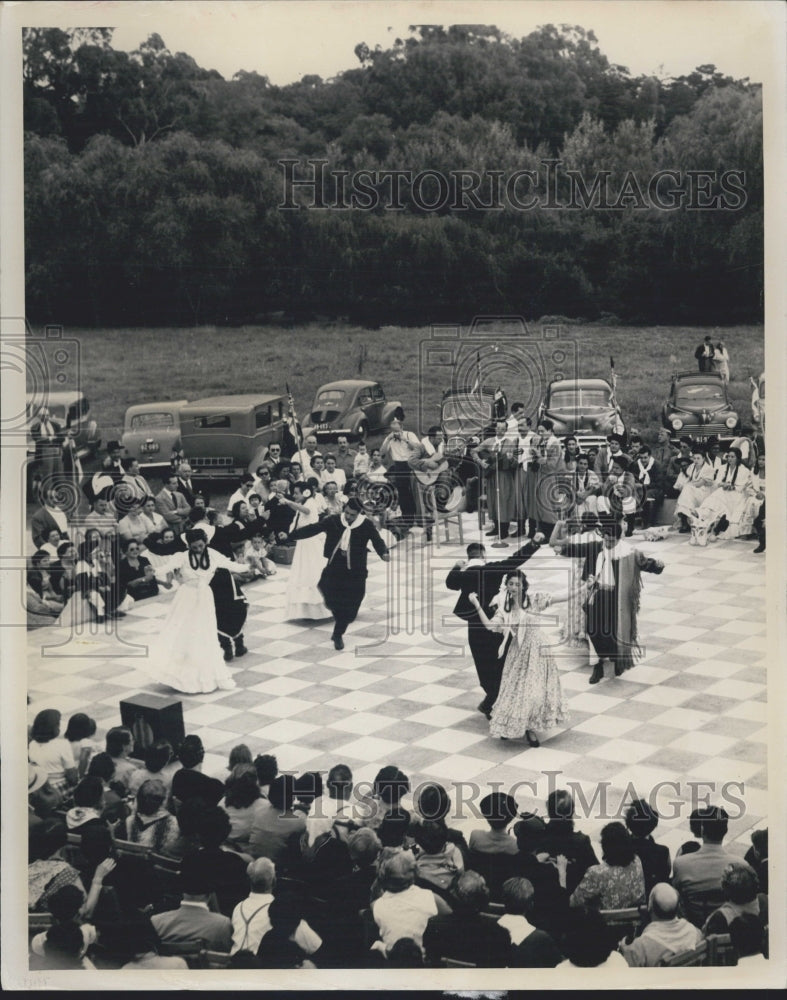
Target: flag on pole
292 420
477 383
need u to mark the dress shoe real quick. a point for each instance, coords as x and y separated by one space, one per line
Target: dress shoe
760 547
489 534
598 673
532 739
228 655
240 649
338 642
619 669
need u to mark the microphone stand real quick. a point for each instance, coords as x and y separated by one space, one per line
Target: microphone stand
499 544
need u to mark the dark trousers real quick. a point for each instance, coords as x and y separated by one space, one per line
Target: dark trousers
400 474
489 666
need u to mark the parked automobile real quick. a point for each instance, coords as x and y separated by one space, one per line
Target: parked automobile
70 408
226 436
583 407
698 406
355 407
466 417
151 431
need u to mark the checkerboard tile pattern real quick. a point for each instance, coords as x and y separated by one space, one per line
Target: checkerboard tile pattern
404 689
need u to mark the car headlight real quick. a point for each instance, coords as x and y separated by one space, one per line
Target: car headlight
731 422
677 423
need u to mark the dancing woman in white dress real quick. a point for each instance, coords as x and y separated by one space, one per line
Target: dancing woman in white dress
185 655
304 599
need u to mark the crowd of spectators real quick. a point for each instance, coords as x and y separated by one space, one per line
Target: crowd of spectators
152 863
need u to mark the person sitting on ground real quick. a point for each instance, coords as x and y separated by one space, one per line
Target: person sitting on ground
256 555
150 824
65 905
225 870
189 782
242 801
119 746
642 820
279 947
267 769
438 863
49 751
277 829
159 766
403 909
88 805
666 933
333 812
588 943
193 921
141 944
464 934
618 881
742 896
757 857
531 947
114 807
561 839
694 875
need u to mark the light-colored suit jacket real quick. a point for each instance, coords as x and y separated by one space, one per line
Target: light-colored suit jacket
173 508
193 922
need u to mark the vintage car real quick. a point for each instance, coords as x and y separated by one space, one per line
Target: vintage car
71 409
355 407
151 431
466 418
584 408
225 436
698 406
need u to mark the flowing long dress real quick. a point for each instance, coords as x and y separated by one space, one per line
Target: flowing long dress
552 486
700 485
754 499
304 599
574 628
530 695
727 503
186 655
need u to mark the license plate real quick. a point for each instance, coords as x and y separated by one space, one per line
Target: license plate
149 446
323 427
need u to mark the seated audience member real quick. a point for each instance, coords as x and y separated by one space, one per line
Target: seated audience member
188 815
141 945
64 948
464 934
307 788
279 948
551 899
432 803
251 917
364 847
189 782
136 576
741 896
498 810
695 826
403 909
159 766
193 921
113 807
150 824
136 525
531 947
642 820
242 801
256 555
102 517
696 874
239 755
405 954
225 870
42 600
49 751
588 943
80 732
42 800
119 744
65 905
749 940
390 787
88 805
333 812
665 934
276 829
160 545
438 863
618 881
119 884
245 487
757 857
267 768
560 838
47 871
393 830
51 545
47 518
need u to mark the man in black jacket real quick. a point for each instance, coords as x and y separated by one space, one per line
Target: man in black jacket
476 576
343 581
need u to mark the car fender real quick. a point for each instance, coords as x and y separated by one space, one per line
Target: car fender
388 412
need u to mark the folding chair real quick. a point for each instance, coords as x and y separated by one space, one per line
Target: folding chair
214 959
626 923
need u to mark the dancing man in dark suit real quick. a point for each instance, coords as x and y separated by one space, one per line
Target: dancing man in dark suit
343 581
476 576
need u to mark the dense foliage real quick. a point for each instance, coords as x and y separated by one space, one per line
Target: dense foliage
153 187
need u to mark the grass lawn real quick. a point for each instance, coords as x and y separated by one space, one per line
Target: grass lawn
122 367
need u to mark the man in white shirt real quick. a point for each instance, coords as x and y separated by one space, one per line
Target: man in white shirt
250 920
667 933
326 813
333 474
397 449
305 455
242 492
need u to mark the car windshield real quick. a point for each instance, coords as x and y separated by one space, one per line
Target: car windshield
701 394
144 421
467 408
578 399
329 400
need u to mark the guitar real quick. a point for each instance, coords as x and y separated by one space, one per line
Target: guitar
426 477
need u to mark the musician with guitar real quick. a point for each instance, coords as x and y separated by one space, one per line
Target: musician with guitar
428 464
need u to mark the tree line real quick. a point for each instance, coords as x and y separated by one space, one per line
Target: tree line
153 187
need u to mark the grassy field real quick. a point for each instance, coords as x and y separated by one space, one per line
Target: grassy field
122 367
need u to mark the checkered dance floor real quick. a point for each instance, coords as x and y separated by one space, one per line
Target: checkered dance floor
404 690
